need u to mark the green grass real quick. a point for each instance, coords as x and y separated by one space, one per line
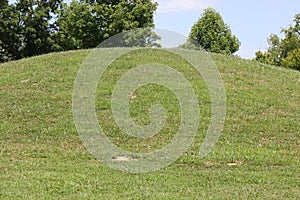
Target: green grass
42 157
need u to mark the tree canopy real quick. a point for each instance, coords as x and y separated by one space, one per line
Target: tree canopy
286 51
85 24
213 35
34 27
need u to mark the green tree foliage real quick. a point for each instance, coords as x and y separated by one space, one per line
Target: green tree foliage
26 28
272 56
283 52
34 27
3 3
10 33
85 24
142 37
292 60
213 34
37 26
78 28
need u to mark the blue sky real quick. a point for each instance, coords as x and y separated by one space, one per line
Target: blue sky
252 21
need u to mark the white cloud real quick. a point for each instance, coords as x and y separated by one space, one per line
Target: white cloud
171 6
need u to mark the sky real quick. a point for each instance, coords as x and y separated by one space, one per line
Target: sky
252 21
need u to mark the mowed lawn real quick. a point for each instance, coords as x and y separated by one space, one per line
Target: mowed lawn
42 156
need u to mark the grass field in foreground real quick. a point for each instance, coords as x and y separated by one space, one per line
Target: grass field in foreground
42 157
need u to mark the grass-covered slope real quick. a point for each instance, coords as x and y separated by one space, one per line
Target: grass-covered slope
42 157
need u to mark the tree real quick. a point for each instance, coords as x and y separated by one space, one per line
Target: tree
292 60
78 26
3 4
26 28
34 27
272 56
213 34
283 52
142 37
86 23
10 33
292 38
38 25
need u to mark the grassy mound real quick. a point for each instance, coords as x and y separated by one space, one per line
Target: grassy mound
42 157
